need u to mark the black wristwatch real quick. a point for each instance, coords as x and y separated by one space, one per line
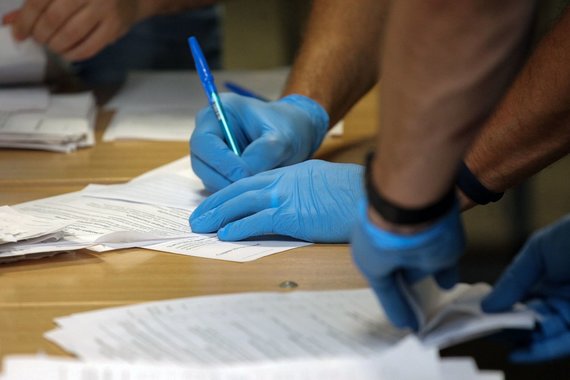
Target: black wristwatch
402 215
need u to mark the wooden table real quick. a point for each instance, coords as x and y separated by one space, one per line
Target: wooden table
33 293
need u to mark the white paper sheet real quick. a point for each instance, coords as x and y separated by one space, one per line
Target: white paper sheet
251 327
65 125
105 224
162 106
23 62
15 226
387 366
24 99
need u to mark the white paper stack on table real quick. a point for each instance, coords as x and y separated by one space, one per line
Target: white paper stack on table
163 105
32 118
389 365
278 330
149 212
21 230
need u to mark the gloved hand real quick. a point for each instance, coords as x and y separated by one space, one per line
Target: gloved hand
392 261
280 133
313 201
540 274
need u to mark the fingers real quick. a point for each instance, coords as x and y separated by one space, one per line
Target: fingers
54 18
75 29
211 179
258 224
30 12
447 278
207 208
394 302
103 34
74 33
235 208
265 153
517 280
208 146
544 349
10 17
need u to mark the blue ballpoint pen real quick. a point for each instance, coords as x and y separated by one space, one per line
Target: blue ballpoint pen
236 88
209 86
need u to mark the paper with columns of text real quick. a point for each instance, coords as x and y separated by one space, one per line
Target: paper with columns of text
388 365
260 327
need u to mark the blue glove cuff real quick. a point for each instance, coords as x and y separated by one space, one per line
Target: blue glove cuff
388 240
319 117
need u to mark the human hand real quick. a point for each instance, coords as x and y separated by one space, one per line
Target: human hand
386 259
313 201
281 133
76 30
540 275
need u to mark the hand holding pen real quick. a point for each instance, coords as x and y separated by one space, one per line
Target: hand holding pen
274 134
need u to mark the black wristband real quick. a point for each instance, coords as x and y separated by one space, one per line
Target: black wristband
400 215
473 189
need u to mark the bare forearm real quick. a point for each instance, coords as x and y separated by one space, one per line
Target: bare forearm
446 64
531 127
338 61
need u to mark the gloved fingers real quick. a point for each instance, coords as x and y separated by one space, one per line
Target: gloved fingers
212 180
230 192
411 276
516 282
394 302
541 350
258 224
235 208
554 314
266 152
207 143
447 278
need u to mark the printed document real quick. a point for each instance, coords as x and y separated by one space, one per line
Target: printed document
387 365
260 327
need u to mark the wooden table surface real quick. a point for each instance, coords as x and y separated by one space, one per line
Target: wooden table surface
33 293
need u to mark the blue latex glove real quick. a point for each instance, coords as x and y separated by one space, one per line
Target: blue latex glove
388 259
540 273
280 133
313 201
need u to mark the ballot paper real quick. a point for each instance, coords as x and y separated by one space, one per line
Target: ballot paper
149 212
66 124
20 62
391 365
264 327
162 105
388 365
17 227
19 99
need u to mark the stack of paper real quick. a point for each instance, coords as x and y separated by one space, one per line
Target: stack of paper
21 230
31 118
384 366
149 212
163 105
389 365
258 327
300 333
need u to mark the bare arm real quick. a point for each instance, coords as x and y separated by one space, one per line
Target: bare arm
78 30
338 61
446 63
531 127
